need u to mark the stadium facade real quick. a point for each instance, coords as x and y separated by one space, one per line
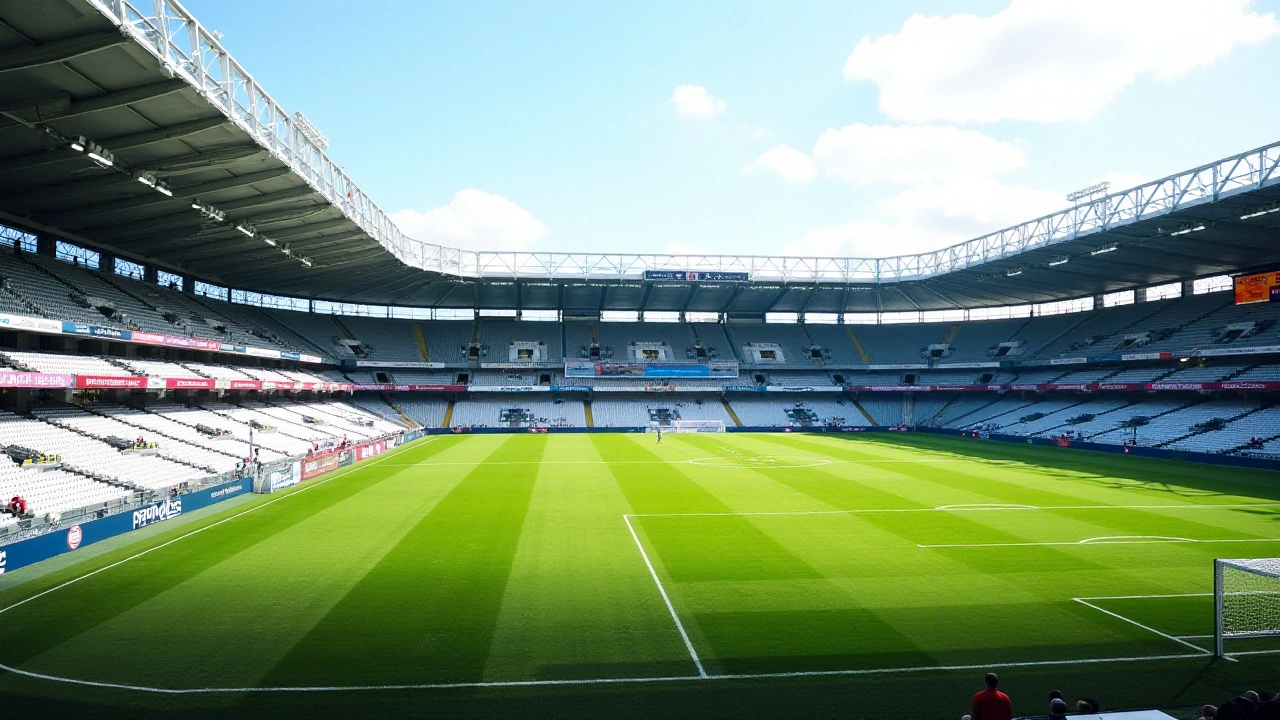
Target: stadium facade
183 257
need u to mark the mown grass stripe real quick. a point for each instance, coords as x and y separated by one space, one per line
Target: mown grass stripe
427 611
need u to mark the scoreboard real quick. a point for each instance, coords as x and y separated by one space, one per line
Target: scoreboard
1259 287
697 276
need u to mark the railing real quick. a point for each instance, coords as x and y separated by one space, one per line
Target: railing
177 39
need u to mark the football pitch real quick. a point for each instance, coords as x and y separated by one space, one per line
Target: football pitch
712 574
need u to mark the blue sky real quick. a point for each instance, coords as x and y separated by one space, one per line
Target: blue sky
826 128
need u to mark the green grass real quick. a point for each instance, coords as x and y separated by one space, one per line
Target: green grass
490 560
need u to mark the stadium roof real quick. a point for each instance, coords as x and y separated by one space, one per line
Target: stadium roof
144 82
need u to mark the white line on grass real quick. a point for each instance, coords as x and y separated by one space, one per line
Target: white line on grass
599 681
679 626
967 508
135 556
1118 616
1107 540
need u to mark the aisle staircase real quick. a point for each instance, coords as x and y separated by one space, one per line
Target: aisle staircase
586 410
857 345
732 415
423 352
864 412
448 415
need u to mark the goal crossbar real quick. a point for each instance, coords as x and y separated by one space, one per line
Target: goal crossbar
1246 600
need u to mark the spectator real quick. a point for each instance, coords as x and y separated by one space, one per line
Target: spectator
1208 712
1057 709
1268 710
1087 705
991 704
1238 708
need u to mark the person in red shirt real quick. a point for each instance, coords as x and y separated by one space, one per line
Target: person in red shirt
991 704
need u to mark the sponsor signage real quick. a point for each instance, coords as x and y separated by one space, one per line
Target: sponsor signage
23 322
110 382
1256 288
370 450
169 508
276 385
71 328
174 340
899 366
316 465
1218 352
57 542
408 388
406 365
696 276
967 365
36 380
570 388
591 368
189 384
508 388
244 384
1069 361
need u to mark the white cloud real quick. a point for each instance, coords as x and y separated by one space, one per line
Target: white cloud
905 154
679 247
474 220
696 101
793 165
929 216
1047 60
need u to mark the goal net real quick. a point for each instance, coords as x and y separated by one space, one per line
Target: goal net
690 426
1246 597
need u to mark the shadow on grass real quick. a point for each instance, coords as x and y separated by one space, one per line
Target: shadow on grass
1178 477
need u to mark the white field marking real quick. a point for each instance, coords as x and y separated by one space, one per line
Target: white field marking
762 462
1107 540
303 488
988 506
1254 652
1147 597
1193 637
966 508
702 673
603 681
1118 616
694 461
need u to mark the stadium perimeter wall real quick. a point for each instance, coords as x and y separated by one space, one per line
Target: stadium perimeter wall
64 540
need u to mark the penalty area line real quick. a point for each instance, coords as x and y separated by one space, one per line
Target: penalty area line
670 608
1148 628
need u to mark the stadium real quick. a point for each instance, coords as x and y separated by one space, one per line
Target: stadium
271 456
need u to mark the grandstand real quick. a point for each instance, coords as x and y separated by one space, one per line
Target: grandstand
158 344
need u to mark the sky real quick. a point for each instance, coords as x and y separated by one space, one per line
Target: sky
806 127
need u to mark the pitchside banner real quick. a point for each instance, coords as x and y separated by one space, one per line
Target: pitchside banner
28 552
591 368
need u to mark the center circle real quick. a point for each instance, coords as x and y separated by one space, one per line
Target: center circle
761 463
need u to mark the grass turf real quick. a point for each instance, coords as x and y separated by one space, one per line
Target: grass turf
485 560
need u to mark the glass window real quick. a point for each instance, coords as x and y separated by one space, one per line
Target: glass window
76 255
169 280
782 317
619 316
1217 283
1164 292
1124 297
211 291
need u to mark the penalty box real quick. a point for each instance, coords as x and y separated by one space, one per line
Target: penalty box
829 590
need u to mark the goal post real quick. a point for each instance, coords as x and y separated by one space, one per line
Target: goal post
690 426
1246 600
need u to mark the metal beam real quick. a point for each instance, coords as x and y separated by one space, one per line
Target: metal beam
62 106
114 144
59 50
